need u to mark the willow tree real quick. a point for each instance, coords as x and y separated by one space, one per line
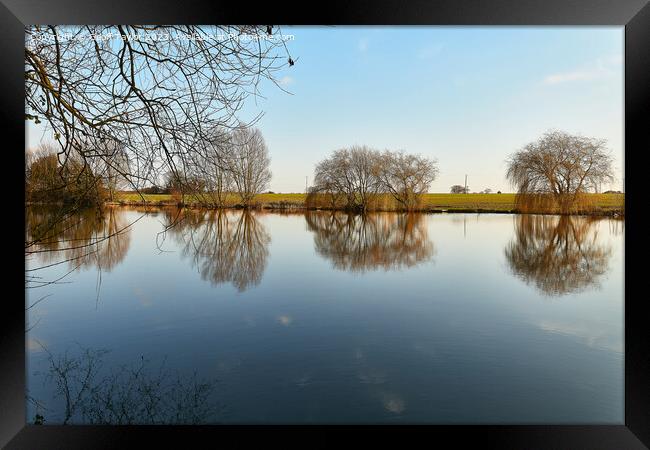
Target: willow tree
558 169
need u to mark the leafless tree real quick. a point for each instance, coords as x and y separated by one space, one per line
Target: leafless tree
249 163
407 176
353 173
561 167
215 170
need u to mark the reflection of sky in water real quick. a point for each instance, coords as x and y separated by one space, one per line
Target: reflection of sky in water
453 334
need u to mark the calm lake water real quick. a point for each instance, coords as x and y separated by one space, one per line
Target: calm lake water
324 317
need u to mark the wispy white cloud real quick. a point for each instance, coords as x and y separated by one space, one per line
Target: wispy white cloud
430 51
614 60
285 80
362 46
571 76
603 67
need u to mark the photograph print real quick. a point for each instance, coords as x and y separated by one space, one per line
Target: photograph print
324 225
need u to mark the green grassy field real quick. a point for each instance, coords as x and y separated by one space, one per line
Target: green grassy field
260 199
430 202
506 202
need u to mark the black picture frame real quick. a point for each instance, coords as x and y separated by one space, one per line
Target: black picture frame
634 15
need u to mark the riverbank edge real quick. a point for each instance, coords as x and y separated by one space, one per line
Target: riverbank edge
294 207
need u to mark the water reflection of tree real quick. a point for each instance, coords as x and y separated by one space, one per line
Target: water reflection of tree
90 238
559 255
125 395
224 246
616 226
361 242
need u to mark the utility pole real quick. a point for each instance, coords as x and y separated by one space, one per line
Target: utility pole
465 191
305 184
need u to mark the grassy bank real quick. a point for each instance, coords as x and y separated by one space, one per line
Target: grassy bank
605 204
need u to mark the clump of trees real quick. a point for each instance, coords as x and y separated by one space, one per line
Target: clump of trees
228 162
353 177
556 170
248 163
350 174
407 177
459 189
72 181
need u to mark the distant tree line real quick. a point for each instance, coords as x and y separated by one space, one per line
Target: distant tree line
551 174
352 177
459 189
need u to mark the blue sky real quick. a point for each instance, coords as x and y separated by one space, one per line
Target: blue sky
467 96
